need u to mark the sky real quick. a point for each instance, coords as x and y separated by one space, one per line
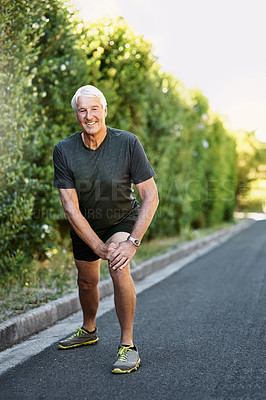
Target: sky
215 45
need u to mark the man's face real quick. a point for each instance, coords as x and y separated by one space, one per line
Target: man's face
91 115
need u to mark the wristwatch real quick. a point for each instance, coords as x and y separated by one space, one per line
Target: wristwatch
136 242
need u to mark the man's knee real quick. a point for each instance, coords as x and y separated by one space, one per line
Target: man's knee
120 275
88 274
85 283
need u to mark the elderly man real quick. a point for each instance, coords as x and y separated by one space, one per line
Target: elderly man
94 171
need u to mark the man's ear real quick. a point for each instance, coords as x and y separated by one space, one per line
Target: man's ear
105 112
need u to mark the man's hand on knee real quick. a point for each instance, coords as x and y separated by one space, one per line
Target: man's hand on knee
122 255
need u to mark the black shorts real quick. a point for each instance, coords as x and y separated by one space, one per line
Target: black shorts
83 252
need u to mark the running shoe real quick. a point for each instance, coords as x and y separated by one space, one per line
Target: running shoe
79 338
127 360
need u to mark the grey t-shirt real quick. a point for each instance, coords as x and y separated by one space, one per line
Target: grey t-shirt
103 177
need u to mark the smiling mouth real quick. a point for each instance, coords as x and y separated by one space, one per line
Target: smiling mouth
91 123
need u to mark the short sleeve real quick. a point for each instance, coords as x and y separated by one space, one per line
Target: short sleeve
63 178
140 168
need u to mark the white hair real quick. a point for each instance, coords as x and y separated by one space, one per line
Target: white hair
88 91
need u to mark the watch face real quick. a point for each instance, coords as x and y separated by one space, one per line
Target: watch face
136 242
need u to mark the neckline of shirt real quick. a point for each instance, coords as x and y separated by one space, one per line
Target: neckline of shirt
95 150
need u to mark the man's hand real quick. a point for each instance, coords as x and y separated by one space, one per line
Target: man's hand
122 255
105 250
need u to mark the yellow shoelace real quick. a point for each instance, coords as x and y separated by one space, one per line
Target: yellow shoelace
77 333
122 353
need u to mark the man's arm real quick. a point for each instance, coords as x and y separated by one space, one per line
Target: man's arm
81 226
126 250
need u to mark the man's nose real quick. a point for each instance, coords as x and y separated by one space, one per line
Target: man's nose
89 114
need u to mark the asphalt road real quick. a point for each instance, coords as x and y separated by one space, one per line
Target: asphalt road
200 333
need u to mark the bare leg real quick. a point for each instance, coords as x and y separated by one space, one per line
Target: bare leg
124 295
88 279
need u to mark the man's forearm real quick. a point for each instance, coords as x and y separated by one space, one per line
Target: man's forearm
147 211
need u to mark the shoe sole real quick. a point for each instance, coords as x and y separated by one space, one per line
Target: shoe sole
121 371
72 346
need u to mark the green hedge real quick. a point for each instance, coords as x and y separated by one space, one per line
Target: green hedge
19 35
